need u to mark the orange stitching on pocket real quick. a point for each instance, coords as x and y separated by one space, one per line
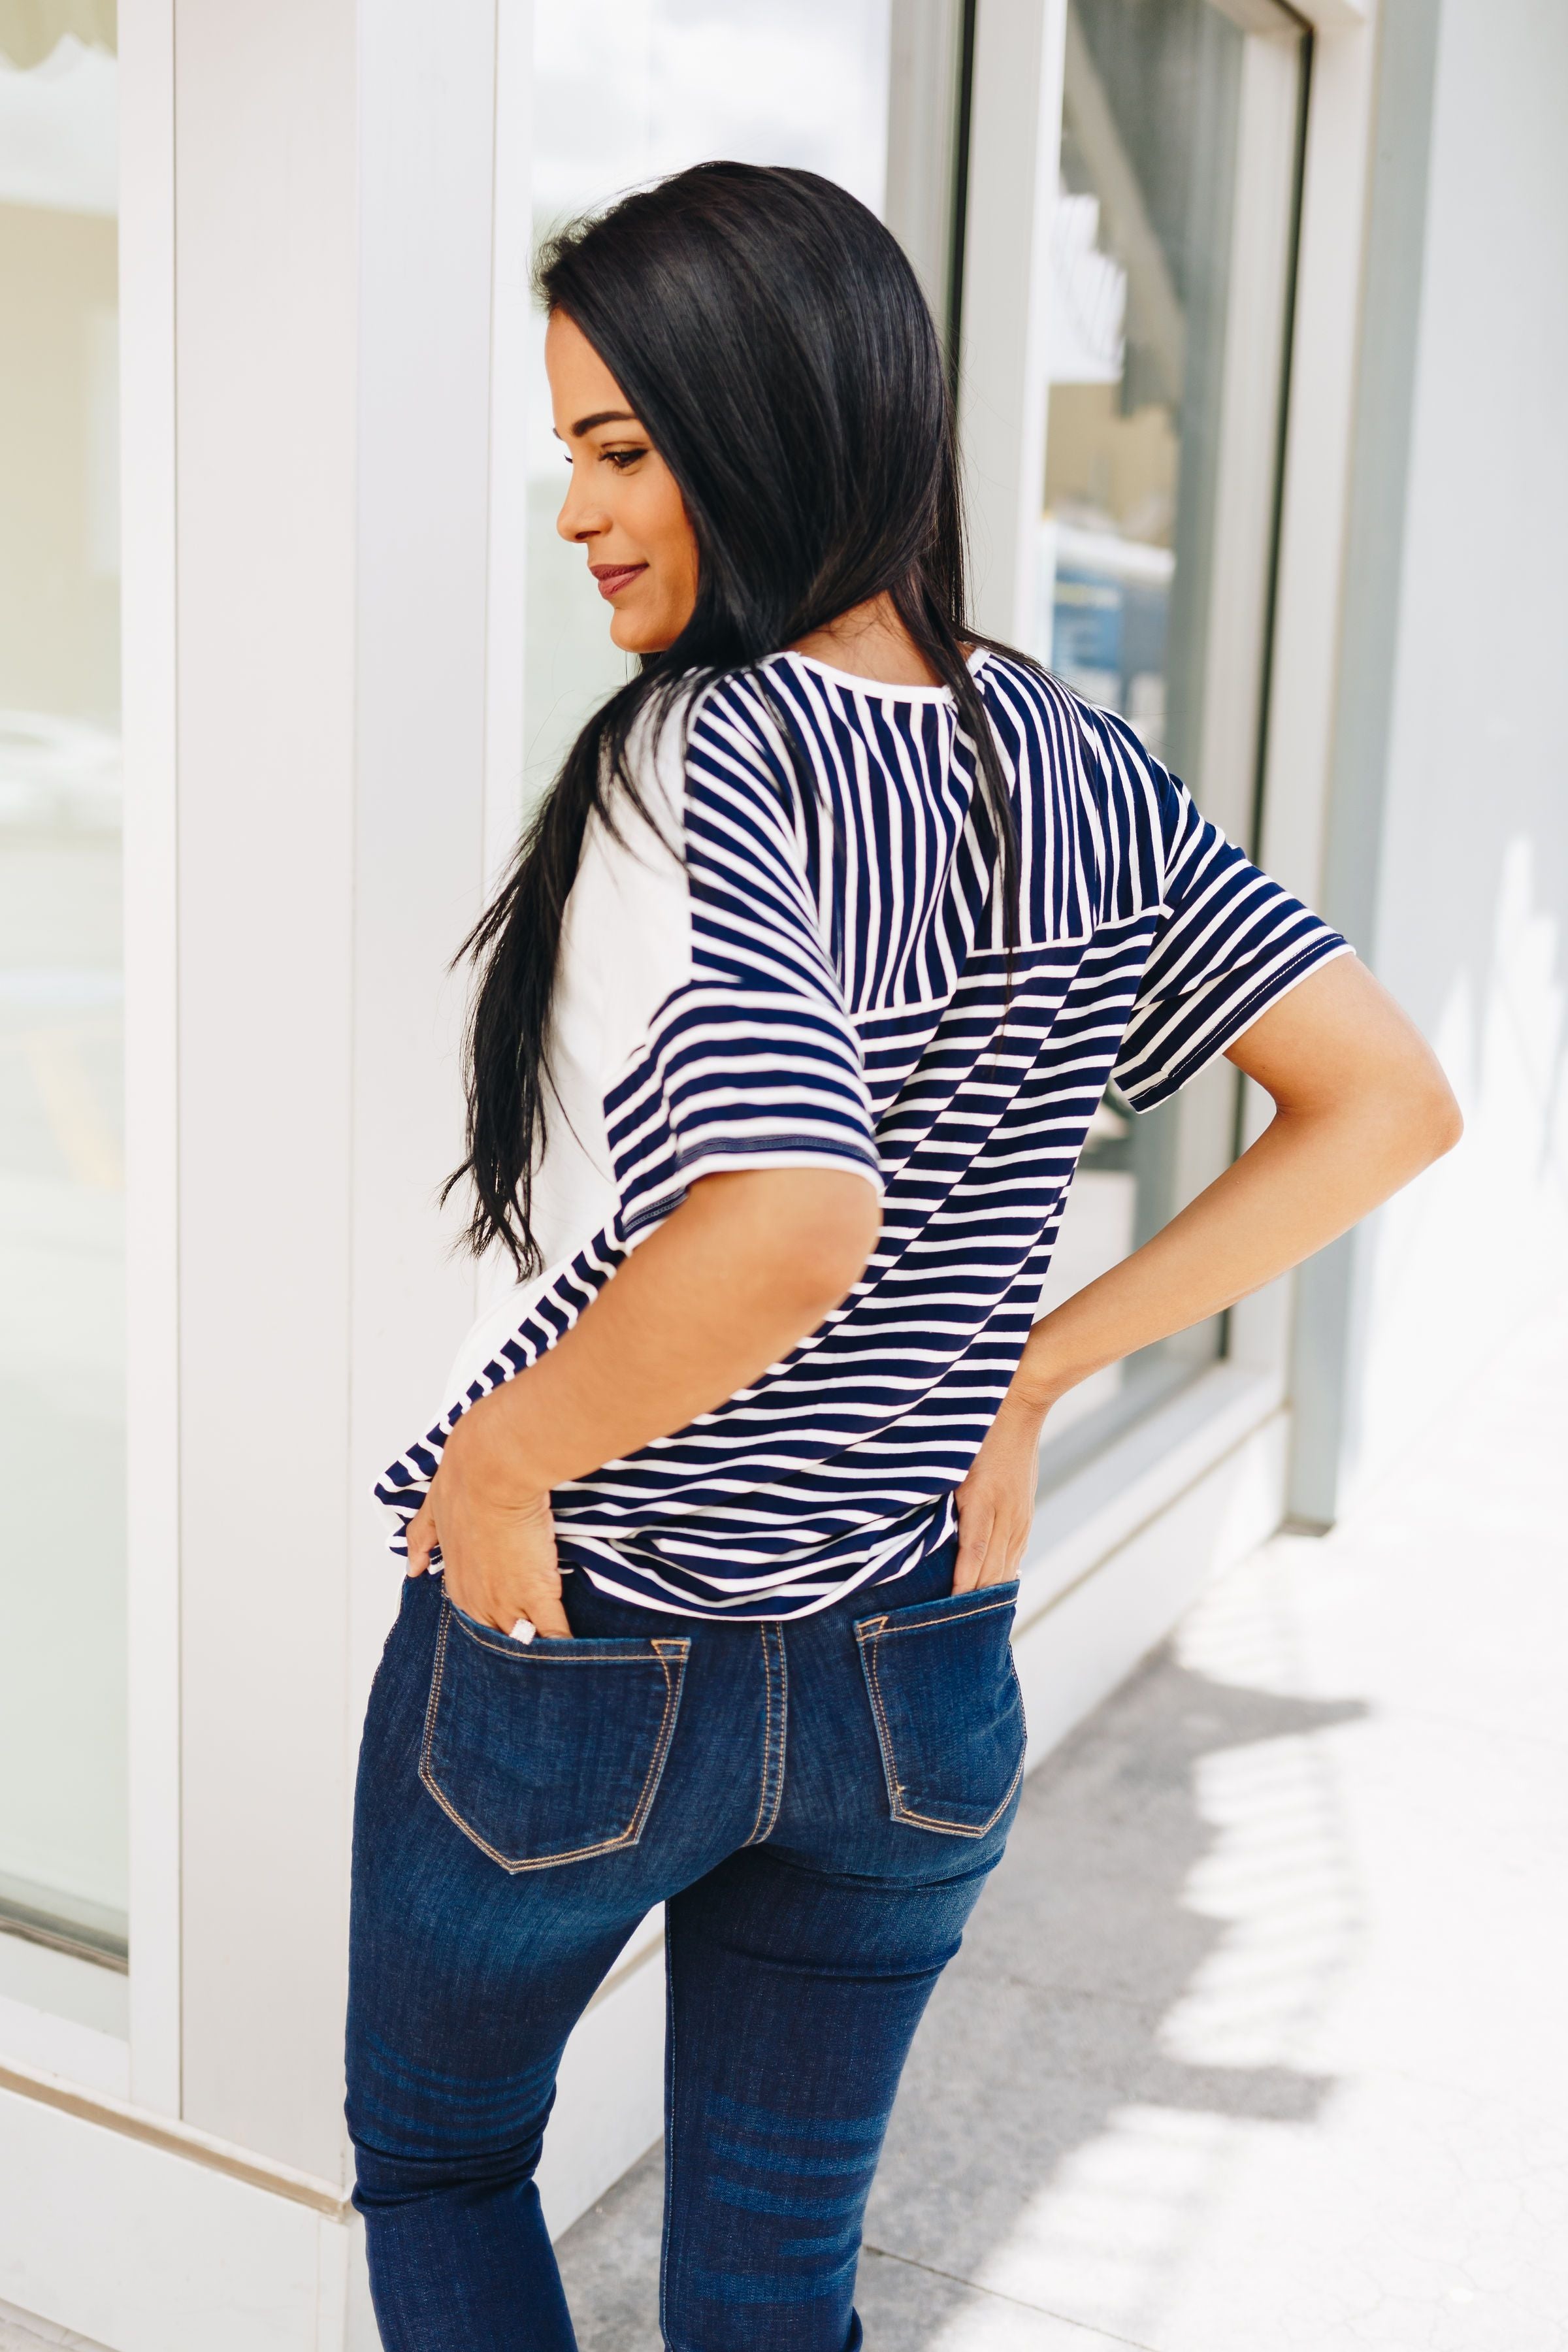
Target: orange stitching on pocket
961 1828
629 1835
884 1730
875 1628
665 1734
529 1654
959 1617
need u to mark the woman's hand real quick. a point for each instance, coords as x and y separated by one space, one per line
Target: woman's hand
736 1277
498 1544
997 1501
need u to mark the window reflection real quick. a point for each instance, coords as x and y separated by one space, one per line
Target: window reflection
62 1634
1168 283
1140 271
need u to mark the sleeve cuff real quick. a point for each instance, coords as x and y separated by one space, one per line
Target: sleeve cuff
1146 1093
716 1159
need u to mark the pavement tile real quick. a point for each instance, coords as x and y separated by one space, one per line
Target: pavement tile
609 2263
907 2309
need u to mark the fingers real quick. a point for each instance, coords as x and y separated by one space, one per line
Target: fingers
500 1566
422 1539
976 1527
991 1544
1005 1554
547 1615
502 1600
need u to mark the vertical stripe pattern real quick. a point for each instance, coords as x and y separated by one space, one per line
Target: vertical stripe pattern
850 1002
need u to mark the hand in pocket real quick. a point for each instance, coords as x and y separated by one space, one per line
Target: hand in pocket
498 1549
996 1502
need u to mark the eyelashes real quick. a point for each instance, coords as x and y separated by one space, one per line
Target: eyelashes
621 459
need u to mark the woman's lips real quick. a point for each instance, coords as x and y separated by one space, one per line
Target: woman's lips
613 577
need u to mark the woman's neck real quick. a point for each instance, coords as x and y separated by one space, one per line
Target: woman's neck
869 641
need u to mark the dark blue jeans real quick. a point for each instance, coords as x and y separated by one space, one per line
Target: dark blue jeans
817 1802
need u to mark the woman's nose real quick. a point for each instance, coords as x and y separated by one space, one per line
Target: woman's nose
578 517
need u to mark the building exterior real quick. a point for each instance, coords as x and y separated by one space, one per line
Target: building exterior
1257 319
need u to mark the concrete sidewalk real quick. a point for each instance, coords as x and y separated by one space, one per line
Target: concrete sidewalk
1257 2041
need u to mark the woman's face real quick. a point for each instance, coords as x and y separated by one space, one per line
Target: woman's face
622 505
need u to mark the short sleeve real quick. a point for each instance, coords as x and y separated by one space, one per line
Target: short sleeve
1229 943
754 1061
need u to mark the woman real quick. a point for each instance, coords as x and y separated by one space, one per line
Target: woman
793 1017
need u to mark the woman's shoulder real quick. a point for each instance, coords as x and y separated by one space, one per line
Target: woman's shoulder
1017 682
710 771
1062 737
734 735
690 720
735 730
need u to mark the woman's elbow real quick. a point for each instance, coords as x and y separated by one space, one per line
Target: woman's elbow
825 1248
794 1241
1420 1114
1443 1122
1339 1048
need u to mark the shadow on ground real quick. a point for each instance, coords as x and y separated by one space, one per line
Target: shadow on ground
1172 1909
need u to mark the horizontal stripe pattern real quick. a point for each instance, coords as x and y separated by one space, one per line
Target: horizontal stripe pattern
850 1002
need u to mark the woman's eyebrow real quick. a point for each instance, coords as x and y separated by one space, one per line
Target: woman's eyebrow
602 417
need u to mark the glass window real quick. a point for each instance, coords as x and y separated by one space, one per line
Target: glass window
625 90
1167 319
62 1631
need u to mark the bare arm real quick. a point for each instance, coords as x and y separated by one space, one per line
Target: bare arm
732 1280
1360 1106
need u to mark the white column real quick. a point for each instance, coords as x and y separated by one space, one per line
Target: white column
151 1073
266 110
426 164
334 184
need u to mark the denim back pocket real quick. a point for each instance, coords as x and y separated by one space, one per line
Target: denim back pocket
949 1712
552 1751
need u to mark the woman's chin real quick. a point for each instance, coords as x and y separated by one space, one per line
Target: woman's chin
637 638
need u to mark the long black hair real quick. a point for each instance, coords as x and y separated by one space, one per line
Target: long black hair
769 333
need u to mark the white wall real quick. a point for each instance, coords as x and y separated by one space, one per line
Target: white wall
266 258
1449 855
1479 739
334 186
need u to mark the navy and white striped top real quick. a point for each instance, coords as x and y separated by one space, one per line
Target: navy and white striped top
820 981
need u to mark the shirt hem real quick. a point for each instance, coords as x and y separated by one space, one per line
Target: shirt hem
599 1569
